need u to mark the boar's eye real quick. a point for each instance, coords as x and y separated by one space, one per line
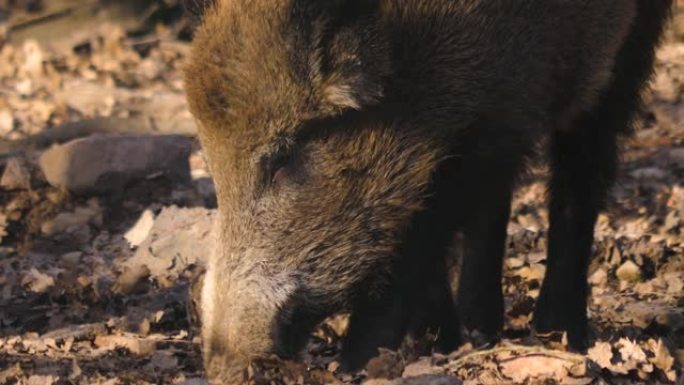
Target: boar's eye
284 168
280 175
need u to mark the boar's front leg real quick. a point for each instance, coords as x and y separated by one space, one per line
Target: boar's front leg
424 276
374 323
419 302
583 162
487 182
418 299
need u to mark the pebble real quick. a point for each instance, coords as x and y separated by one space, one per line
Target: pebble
71 260
629 272
16 175
81 216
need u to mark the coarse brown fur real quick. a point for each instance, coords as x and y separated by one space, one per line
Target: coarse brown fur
348 139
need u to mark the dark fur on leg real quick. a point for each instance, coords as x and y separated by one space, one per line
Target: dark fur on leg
584 162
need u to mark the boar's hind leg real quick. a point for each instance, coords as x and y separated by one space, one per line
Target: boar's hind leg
583 164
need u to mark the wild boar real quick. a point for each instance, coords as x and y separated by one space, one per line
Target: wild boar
349 139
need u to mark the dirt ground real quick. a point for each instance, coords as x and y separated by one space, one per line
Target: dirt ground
94 282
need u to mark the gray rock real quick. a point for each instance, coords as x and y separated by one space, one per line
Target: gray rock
180 237
104 163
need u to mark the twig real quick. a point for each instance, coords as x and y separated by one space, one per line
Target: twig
48 15
529 350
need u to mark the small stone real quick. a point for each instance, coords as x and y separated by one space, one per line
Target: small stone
87 97
164 361
80 217
629 272
16 175
71 260
37 281
386 365
133 280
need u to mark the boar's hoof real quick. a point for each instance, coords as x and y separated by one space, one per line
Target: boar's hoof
548 319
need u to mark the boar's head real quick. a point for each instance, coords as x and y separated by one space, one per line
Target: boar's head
318 171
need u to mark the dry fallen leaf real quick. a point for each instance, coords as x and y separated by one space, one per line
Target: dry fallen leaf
9 373
534 272
42 380
138 233
134 344
632 357
601 353
662 358
530 367
631 351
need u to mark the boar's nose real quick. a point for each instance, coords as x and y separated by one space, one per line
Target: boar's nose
241 314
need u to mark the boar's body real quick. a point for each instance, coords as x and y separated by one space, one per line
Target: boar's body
349 139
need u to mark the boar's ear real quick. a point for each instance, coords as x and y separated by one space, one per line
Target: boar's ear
354 61
197 8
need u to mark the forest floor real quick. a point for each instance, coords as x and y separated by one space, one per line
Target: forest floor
94 283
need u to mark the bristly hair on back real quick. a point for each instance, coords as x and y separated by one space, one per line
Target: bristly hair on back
197 8
349 55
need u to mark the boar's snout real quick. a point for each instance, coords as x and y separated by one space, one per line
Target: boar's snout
247 312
